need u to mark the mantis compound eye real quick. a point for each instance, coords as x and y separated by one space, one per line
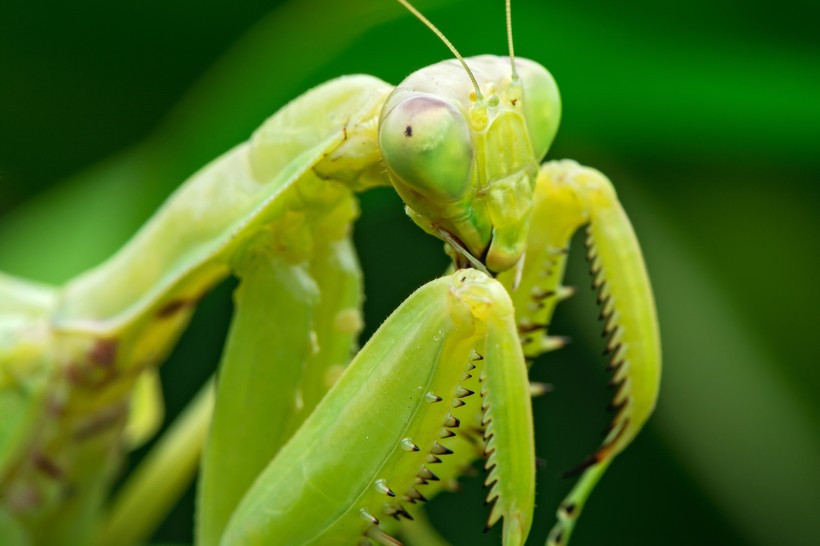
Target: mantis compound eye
426 145
542 105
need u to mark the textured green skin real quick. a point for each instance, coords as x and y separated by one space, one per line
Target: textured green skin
276 212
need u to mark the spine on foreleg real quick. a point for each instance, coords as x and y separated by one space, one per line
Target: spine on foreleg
557 214
630 323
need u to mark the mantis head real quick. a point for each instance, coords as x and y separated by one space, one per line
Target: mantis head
464 165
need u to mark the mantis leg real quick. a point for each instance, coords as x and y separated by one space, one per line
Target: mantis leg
24 337
295 324
11 533
567 197
23 377
161 478
376 441
296 319
103 330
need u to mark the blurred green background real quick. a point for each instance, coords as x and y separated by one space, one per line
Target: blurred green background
706 115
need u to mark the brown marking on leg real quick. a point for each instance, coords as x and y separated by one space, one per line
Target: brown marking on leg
76 374
175 306
104 352
47 466
103 421
90 377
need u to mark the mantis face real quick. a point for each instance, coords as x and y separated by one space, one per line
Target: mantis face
466 167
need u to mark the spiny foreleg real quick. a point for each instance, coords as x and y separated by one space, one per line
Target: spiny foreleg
374 444
569 196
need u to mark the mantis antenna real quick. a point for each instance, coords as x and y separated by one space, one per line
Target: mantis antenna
479 97
510 42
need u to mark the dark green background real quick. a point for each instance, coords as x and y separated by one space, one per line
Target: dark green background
706 115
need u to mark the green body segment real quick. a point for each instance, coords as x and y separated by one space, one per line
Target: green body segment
567 197
507 418
102 330
296 319
11 533
537 288
24 369
630 323
258 379
371 446
624 292
27 375
160 478
20 298
188 243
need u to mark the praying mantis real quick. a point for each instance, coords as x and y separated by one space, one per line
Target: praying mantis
299 446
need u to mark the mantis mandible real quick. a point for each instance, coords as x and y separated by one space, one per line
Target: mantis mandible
303 448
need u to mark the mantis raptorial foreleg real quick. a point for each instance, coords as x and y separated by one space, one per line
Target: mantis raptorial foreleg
567 197
389 416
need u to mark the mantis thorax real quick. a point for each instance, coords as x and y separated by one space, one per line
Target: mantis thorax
464 166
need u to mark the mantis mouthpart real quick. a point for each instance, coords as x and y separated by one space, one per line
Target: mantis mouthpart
300 444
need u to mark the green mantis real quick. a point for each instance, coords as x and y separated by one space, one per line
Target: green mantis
303 449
